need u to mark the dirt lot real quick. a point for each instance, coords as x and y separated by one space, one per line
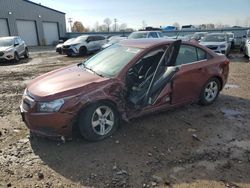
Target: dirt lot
192 146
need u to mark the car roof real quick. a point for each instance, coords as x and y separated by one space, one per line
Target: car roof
145 43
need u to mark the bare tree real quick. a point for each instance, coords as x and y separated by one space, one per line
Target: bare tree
96 26
107 22
78 27
123 26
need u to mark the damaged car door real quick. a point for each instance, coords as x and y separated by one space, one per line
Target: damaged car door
157 85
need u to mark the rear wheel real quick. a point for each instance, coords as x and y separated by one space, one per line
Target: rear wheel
98 121
210 91
83 51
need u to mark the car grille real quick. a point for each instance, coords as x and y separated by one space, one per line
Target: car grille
213 47
66 46
1 53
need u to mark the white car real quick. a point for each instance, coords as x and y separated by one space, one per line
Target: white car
218 42
84 44
60 45
246 47
12 48
113 40
145 34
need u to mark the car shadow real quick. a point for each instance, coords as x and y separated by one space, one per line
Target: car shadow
12 63
182 145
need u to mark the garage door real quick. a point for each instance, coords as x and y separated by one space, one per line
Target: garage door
4 31
50 32
27 31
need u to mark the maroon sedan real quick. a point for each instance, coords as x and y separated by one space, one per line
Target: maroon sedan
127 80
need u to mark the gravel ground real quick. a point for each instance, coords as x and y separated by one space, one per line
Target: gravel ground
191 146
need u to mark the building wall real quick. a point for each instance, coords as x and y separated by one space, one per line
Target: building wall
23 10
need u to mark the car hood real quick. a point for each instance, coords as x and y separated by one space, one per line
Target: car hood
63 82
5 48
212 43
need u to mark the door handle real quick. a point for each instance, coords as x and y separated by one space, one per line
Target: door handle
200 69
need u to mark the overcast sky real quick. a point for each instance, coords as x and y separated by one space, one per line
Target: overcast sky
154 12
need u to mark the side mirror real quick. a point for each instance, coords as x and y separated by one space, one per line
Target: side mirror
60 41
16 44
244 36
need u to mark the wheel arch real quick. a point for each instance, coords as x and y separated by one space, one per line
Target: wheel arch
86 105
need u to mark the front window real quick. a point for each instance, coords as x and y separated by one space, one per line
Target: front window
137 35
111 61
214 38
6 42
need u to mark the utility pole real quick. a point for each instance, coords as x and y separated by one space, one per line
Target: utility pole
115 20
70 20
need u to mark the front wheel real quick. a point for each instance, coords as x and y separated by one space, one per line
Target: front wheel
98 121
26 53
16 57
83 51
210 91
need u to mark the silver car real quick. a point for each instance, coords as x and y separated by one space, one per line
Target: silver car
83 45
218 42
145 34
12 48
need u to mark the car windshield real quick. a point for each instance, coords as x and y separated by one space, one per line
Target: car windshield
6 42
111 61
80 39
137 35
214 38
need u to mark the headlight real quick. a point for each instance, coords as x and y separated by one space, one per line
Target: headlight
52 106
9 50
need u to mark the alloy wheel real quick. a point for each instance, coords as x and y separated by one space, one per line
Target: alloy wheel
103 120
211 91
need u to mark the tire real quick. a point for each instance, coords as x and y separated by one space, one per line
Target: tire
83 51
26 53
92 121
16 57
210 91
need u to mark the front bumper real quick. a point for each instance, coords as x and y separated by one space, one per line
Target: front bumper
217 49
70 51
6 56
55 124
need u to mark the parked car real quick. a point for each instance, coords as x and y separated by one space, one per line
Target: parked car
127 80
188 27
231 38
199 35
60 45
113 40
218 42
83 45
246 45
145 34
12 48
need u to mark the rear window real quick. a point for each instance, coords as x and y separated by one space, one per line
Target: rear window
189 54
